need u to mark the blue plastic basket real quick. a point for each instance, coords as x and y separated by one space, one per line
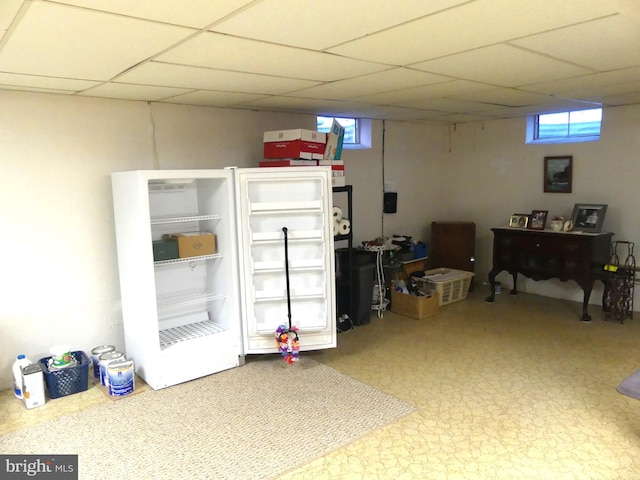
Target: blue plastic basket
69 380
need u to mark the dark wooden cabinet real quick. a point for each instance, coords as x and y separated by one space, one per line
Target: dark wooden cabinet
453 245
541 255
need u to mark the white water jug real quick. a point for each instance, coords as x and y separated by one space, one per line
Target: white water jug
21 361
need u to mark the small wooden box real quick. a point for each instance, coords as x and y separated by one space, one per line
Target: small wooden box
414 306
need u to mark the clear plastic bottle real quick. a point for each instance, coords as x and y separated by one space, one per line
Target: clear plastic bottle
21 361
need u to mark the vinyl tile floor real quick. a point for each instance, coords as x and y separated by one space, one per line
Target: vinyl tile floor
517 389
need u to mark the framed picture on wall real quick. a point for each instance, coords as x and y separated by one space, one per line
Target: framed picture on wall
588 217
519 220
538 219
558 174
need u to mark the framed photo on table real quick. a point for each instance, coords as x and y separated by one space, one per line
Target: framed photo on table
538 219
588 217
519 220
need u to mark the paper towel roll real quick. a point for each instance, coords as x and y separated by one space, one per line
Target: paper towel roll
344 227
337 214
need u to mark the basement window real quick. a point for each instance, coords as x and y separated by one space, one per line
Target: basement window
357 131
565 127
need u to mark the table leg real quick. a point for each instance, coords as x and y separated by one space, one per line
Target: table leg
492 286
514 290
585 302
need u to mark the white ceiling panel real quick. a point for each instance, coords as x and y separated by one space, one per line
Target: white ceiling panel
624 99
8 10
372 59
199 14
381 111
479 23
229 53
505 96
320 25
76 43
616 47
566 86
34 81
502 65
293 104
213 99
370 84
449 105
415 94
167 74
123 91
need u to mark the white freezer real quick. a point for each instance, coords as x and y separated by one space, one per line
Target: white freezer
189 317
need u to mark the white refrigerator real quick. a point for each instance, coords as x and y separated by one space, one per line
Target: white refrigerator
188 317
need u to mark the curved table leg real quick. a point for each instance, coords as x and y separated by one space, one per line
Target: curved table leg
492 286
585 302
514 290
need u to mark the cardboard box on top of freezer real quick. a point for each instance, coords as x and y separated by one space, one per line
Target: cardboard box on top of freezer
297 143
193 244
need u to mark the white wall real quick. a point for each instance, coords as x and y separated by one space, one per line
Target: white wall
493 174
60 282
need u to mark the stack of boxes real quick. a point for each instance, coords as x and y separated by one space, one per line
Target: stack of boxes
299 147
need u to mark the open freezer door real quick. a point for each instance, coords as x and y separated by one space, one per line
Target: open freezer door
299 199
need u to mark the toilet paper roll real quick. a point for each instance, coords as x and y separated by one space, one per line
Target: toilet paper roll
337 214
344 227
336 229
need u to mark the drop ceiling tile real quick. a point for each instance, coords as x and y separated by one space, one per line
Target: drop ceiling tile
90 46
8 10
374 111
447 105
424 92
615 46
125 91
319 25
568 86
213 99
504 96
303 105
224 52
464 118
198 13
614 100
170 75
379 82
502 65
472 25
413 114
63 84
36 89
552 106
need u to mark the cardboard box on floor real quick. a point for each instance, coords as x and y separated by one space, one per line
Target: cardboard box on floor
414 306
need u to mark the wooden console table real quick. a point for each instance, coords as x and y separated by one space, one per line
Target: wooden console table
544 254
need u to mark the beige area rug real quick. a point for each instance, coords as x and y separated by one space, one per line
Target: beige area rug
253 422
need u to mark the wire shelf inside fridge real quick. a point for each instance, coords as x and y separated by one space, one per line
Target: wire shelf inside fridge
188 259
160 220
181 299
296 294
284 207
294 265
294 236
172 336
